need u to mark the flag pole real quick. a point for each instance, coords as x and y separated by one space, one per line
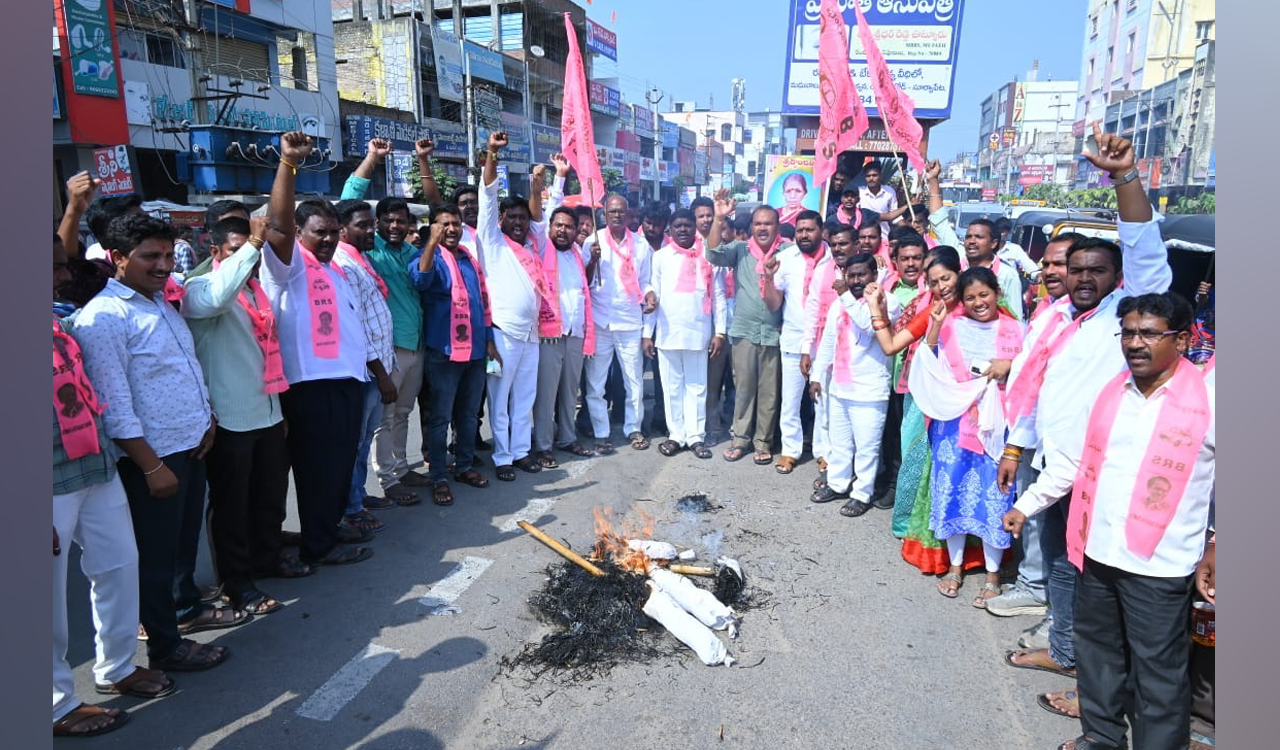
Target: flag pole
902 173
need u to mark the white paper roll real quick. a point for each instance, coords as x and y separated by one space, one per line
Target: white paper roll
653 550
700 603
685 628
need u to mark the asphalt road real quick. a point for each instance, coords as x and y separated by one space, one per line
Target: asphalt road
858 650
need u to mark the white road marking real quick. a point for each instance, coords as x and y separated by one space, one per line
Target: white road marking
347 682
538 507
440 597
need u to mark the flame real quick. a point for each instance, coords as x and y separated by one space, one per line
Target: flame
611 540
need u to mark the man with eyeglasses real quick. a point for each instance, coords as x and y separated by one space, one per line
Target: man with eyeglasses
1068 355
1140 475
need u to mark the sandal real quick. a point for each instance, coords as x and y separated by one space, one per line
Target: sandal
700 450
290 539
638 441
65 727
506 473
256 602
577 450
547 460
210 594
365 521
288 566
821 481
401 495
527 465
345 555
441 494
212 618
1065 703
1036 658
785 465
669 448
351 535
377 503
190 656
980 601
763 458
735 453
948 591
129 685
414 479
1084 743
605 448
472 478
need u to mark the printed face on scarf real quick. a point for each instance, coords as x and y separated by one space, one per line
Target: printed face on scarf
808 236
683 232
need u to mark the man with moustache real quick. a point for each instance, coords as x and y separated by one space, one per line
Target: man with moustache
356 239
797 267
567 339
620 262
718 364
459 336
1136 558
904 281
1027 595
855 371
326 373
756 328
688 324
1069 354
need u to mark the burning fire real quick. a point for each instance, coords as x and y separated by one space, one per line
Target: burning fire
611 541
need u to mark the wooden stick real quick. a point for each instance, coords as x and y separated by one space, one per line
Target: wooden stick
902 175
692 570
560 549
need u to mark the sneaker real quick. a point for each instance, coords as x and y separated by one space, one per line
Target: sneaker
1035 637
1016 601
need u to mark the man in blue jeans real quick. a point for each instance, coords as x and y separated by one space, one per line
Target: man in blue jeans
459 337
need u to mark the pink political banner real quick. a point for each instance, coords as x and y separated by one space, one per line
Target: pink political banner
843 119
577 137
896 107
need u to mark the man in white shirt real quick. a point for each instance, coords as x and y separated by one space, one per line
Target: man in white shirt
878 198
797 265
1078 333
141 359
326 370
511 260
1011 252
1134 592
560 358
688 323
856 372
619 267
720 363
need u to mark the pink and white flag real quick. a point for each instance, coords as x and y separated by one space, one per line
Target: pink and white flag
577 138
843 119
896 107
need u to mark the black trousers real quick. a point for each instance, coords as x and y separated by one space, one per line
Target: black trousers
168 536
248 487
890 448
1133 650
324 437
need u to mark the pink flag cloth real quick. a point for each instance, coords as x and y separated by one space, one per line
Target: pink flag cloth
896 107
843 119
75 403
577 139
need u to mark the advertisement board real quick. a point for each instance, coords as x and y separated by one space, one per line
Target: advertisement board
602 40
448 58
546 141
919 40
112 164
605 100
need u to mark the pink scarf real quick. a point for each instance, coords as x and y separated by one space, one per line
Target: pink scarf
762 257
359 258
695 264
826 296
263 321
810 263
589 326
551 272
173 291
1008 344
931 242
1212 363
892 277
1170 456
730 284
1025 391
843 216
460 311
627 270
323 300
74 401
1041 306
842 372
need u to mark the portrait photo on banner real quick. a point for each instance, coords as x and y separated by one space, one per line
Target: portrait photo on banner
789 186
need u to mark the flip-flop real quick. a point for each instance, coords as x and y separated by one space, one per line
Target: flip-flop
401 495
785 465
1045 701
1055 669
441 494
128 686
735 453
605 448
577 450
62 727
638 441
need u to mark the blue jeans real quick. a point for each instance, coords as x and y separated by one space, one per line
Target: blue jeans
456 392
1062 583
1032 573
370 418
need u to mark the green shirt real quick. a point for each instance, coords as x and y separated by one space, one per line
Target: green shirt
752 319
904 293
392 265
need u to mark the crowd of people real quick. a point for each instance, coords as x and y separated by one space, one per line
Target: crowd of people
1059 426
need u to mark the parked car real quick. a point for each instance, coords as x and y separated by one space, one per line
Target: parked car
962 214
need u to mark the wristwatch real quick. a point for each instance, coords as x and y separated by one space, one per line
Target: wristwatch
1129 176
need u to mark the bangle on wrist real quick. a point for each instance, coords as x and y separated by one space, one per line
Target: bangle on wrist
158 468
289 164
257 242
